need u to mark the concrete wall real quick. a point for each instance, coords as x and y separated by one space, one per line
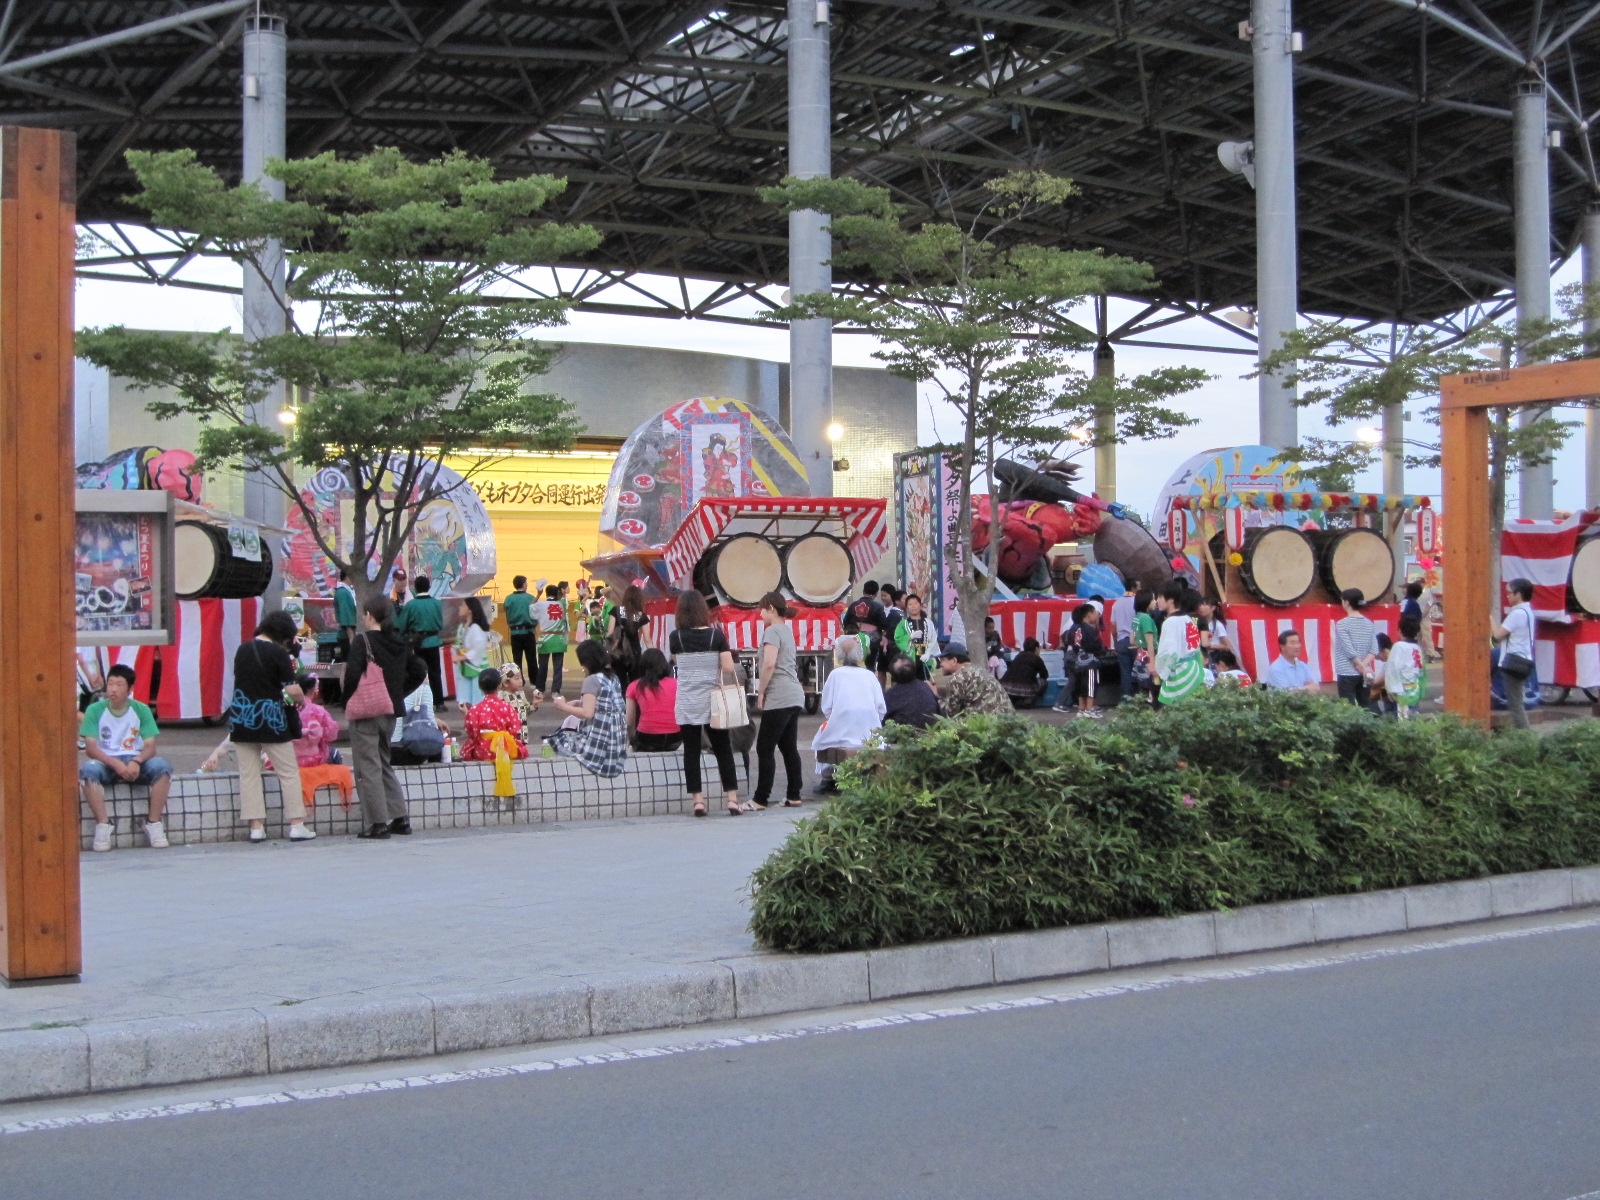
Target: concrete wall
613 387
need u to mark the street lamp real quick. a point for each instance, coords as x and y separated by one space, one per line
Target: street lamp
1369 436
835 431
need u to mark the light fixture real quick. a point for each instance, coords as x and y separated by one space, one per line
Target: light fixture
1368 436
835 431
1080 433
288 416
1241 318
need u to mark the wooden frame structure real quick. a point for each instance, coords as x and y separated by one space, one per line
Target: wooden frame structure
40 927
1464 404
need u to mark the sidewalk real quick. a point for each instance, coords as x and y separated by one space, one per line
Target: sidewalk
202 928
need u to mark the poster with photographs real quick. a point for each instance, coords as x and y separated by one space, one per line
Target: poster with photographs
122 590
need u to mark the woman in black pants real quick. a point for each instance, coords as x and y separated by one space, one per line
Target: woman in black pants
781 700
703 658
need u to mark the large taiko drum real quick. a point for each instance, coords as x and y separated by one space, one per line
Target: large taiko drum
1583 585
205 568
1279 564
817 569
1355 558
740 570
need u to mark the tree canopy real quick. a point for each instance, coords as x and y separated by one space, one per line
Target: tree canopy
964 300
398 349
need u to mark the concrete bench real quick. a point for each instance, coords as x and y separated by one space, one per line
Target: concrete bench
205 808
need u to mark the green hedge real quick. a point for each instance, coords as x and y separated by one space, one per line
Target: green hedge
990 824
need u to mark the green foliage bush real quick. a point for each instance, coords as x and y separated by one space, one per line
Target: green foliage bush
989 824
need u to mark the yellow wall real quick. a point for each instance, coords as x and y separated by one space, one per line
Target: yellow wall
545 510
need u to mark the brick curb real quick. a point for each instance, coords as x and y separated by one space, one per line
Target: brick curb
373 1027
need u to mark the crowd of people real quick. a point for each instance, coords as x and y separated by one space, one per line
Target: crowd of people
889 665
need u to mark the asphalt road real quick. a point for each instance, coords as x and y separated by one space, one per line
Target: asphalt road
1459 1073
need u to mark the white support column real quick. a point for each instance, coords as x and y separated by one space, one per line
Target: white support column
1591 327
265 136
1277 251
1394 478
810 247
1531 165
1105 451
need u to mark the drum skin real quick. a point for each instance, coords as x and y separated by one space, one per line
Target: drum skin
1584 581
1355 558
742 569
204 567
817 569
1280 565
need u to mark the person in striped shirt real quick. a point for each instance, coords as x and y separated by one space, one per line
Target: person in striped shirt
1355 649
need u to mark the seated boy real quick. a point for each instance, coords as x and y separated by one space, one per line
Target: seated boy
119 736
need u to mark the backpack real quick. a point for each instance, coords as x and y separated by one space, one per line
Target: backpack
420 736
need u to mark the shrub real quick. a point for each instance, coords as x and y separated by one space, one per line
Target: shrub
995 823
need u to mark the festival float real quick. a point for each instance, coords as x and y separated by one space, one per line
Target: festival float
711 494
1234 521
222 564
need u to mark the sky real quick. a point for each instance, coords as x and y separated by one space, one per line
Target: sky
1225 406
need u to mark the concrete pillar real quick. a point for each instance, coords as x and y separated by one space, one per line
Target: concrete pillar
1531 167
265 136
810 247
1105 451
1394 479
1591 327
1277 252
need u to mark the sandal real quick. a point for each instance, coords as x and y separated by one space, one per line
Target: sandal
700 808
793 803
737 810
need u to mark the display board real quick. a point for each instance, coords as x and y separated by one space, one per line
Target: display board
122 568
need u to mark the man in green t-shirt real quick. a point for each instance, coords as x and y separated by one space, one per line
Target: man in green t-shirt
523 626
119 736
344 611
553 627
421 620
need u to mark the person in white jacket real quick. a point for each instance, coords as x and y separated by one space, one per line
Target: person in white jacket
852 710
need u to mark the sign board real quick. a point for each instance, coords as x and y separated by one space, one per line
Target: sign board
122 568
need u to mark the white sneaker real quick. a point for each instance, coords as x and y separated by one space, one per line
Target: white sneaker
301 833
102 837
156 835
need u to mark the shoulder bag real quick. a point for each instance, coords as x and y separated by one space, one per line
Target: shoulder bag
371 697
1517 666
728 709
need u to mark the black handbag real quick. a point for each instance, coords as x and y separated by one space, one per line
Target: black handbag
1516 666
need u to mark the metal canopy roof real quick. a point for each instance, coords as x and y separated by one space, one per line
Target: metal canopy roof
668 115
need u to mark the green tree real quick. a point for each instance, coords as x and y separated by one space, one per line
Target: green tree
397 348
1357 373
964 301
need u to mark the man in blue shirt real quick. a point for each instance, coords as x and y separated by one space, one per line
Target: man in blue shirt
1289 671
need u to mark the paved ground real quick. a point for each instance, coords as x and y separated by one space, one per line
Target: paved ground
1464 1071
198 928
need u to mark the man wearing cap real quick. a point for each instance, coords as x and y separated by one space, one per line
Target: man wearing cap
969 689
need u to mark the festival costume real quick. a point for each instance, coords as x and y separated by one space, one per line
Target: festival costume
1178 659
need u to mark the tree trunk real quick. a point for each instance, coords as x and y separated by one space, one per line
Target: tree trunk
972 596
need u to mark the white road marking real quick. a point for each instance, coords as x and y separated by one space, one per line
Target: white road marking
753 1039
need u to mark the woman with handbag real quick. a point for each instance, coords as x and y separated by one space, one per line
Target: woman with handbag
1516 656
781 700
265 721
704 662
385 671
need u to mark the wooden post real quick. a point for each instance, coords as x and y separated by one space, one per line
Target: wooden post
1465 451
1464 403
39 910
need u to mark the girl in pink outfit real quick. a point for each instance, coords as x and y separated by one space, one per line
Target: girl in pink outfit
314 748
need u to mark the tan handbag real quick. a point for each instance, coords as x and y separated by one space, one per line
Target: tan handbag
728 707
